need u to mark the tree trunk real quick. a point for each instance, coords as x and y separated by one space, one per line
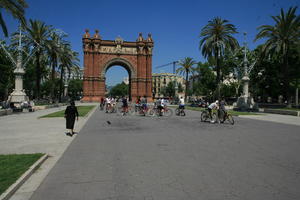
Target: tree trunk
52 80
186 85
218 76
61 84
286 79
38 75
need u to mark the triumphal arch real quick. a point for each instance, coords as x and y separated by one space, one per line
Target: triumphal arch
100 55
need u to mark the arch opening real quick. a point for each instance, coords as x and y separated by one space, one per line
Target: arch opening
120 63
117 81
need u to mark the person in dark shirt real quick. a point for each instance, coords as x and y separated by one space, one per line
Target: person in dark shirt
71 114
125 105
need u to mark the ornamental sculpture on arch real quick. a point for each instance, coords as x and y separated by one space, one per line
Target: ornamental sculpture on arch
100 55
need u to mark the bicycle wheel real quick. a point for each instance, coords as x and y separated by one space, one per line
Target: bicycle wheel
177 111
204 116
151 112
182 113
168 112
131 110
214 117
230 119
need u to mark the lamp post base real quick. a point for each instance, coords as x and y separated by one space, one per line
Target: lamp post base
245 103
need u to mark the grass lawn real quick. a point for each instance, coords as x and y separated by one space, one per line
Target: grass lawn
292 109
13 166
82 111
232 112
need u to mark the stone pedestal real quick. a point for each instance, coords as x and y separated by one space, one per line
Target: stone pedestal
18 95
245 102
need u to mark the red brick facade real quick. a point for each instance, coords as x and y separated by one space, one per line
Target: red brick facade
100 55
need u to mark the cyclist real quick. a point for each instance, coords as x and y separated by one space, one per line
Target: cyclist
125 105
181 103
211 107
222 110
113 104
108 104
102 103
137 104
144 103
159 105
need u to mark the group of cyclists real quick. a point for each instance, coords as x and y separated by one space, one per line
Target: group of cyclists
160 105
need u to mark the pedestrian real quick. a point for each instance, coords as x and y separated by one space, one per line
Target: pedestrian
102 103
71 114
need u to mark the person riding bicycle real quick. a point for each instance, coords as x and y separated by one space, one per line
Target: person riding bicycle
222 110
211 107
113 104
125 105
102 103
181 103
160 106
144 103
108 104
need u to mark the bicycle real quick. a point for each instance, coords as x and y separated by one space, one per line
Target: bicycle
205 116
227 117
180 111
141 110
165 111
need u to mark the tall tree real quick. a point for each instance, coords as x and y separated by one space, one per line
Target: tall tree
186 68
216 37
280 38
16 8
6 77
36 35
54 48
68 62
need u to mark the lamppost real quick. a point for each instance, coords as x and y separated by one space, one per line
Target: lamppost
18 95
244 102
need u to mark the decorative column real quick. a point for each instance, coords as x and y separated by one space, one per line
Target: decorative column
86 50
18 95
245 102
149 45
246 78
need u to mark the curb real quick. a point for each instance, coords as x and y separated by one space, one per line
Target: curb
13 188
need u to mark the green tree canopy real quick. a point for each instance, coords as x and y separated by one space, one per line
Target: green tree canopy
281 37
216 37
16 8
119 90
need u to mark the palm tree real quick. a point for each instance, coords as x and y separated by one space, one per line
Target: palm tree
53 47
187 67
280 38
216 37
68 61
16 8
37 34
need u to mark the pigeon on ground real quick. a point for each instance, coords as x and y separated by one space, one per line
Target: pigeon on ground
108 122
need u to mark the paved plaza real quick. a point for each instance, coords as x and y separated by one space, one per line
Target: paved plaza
138 157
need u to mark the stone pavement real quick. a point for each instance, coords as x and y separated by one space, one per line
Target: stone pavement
160 158
25 133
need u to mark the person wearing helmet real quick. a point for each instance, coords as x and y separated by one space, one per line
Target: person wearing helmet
211 107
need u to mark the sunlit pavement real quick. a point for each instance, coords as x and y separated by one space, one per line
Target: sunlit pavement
177 158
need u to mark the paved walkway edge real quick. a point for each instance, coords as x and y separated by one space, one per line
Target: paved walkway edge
13 188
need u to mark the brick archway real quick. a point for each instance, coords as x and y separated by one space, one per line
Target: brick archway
100 55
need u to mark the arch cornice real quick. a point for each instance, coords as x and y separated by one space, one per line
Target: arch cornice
119 61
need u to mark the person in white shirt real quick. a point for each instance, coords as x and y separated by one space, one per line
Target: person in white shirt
213 106
108 104
181 103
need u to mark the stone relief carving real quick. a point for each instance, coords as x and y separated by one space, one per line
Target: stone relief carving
118 49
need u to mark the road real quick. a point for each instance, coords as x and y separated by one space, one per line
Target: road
146 158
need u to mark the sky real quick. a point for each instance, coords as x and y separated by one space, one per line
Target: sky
175 25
